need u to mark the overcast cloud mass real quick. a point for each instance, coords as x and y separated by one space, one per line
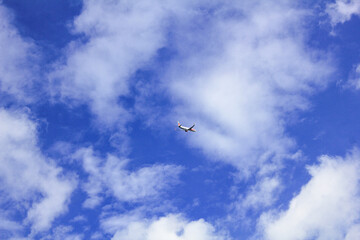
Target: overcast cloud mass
91 92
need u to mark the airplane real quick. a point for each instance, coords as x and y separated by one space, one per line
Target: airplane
186 129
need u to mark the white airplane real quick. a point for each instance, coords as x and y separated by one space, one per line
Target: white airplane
186 129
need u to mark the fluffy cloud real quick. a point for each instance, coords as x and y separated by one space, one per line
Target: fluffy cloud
170 227
110 175
16 59
353 233
342 10
262 194
121 37
27 177
242 77
327 207
238 71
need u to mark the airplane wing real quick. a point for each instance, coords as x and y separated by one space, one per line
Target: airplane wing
192 126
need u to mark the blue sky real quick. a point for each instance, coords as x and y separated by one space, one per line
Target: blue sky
91 92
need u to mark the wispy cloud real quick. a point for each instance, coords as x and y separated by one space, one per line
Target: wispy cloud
243 85
263 194
17 60
63 233
110 175
354 79
9 225
120 38
342 10
239 70
27 177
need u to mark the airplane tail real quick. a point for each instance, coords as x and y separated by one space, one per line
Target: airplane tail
179 124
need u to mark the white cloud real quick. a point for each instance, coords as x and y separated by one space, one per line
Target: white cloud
8 225
238 71
263 194
354 80
63 233
342 10
122 36
79 218
27 177
16 59
242 77
110 175
170 227
327 207
353 233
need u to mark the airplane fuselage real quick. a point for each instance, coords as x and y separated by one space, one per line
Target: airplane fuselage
186 129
